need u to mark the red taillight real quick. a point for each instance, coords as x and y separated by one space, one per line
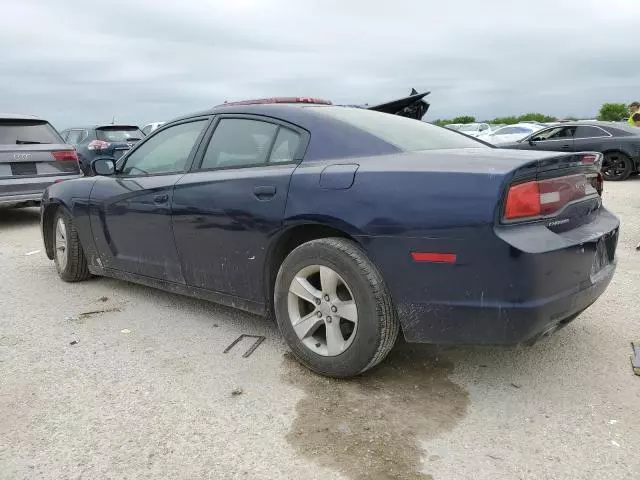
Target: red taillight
98 145
588 159
65 156
546 197
523 201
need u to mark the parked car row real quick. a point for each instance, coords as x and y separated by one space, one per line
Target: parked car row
331 219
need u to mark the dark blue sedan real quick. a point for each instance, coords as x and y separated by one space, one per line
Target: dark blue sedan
347 224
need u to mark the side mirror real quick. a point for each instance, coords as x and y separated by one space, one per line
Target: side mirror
103 166
532 141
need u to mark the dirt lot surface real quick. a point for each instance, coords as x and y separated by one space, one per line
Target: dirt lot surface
109 380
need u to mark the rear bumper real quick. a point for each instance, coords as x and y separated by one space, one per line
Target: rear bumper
499 323
16 191
507 284
9 200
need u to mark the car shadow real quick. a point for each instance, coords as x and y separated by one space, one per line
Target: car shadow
19 217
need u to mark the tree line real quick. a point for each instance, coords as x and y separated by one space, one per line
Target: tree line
610 112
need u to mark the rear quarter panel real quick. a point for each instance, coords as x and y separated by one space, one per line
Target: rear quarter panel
392 210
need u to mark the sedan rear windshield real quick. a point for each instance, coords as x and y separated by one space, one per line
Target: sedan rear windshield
119 134
17 132
405 133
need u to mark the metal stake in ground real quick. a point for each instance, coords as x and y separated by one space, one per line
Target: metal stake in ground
252 348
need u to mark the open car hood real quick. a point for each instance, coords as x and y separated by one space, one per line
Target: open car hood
412 106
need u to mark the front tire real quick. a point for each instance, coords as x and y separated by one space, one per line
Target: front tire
616 166
333 308
69 257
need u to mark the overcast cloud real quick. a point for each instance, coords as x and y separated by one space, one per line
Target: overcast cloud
77 61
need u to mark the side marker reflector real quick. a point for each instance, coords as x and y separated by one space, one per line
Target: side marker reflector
433 257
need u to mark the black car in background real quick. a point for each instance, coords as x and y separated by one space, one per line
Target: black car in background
101 141
619 143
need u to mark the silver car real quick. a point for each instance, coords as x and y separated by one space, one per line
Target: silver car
32 157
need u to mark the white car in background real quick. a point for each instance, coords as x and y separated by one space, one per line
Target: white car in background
474 129
150 127
510 133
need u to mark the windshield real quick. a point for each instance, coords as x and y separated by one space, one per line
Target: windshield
470 127
16 132
119 134
404 133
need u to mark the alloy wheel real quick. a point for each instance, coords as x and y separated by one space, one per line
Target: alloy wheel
322 310
61 243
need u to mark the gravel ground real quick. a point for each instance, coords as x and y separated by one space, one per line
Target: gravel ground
141 388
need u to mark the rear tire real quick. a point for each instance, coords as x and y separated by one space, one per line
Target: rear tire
344 302
616 166
69 257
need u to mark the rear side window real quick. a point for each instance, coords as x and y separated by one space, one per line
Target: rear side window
404 133
285 147
585 131
239 142
119 134
17 132
76 136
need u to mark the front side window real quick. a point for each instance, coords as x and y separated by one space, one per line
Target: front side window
556 133
239 142
166 152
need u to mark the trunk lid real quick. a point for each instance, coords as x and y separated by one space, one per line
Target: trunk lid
120 138
33 160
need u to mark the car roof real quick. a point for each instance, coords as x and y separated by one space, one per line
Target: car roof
611 127
18 116
94 127
291 112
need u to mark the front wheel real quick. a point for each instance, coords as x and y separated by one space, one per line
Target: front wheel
616 166
69 258
334 309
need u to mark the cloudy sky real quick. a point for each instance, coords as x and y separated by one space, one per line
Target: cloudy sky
77 61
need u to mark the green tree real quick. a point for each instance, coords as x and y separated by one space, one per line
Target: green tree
613 112
505 120
464 119
536 117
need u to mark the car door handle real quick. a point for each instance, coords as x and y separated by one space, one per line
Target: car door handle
264 191
161 198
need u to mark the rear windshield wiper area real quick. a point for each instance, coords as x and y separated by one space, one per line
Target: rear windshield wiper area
28 142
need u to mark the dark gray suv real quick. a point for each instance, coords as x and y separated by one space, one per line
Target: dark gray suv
32 157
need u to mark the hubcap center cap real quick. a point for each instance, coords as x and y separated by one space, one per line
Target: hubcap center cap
325 309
